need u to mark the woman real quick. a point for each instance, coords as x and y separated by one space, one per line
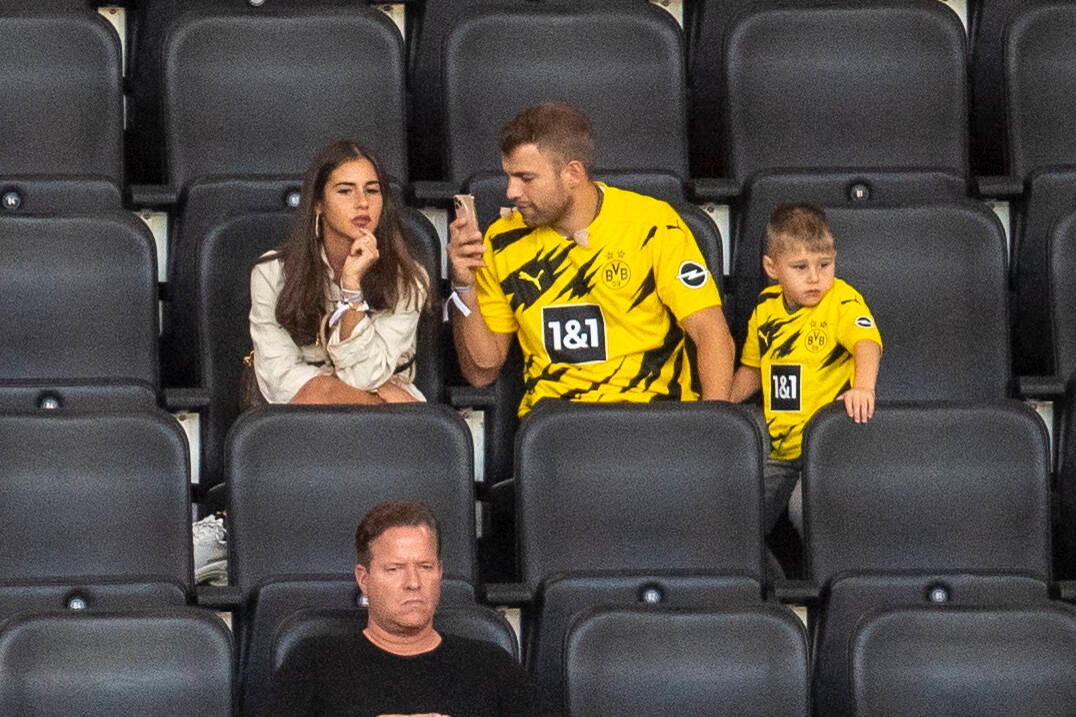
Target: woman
334 313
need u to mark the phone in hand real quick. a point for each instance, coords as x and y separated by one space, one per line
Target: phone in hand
464 204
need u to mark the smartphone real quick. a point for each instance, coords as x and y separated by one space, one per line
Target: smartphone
464 204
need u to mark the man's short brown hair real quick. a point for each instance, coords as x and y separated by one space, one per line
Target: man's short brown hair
556 127
393 514
798 224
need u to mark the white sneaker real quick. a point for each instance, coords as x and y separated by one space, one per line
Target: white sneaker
210 551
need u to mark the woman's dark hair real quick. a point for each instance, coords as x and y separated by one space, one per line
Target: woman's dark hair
396 275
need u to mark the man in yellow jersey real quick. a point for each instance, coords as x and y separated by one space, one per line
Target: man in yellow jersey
601 285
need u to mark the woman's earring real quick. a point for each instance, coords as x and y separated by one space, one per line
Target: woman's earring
317 226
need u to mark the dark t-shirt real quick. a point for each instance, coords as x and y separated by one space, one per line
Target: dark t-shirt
351 676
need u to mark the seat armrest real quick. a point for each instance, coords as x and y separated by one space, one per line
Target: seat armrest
1043 387
1000 187
471 396
152 196
796 592
714 189
221 598
436 193
185 399
510 594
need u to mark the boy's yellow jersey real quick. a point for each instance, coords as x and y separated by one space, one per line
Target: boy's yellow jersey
805 357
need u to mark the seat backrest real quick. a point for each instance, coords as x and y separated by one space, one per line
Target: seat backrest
100 395
80 298
1049 196
62 90
95 495
633 88
1040 102
990 662
988 23
299 479
1065 525
148 24
260 91
473 621
1040 82
174 661
933 487
749 660
850 598
830 189
935 278
664 486
1063 294
857 86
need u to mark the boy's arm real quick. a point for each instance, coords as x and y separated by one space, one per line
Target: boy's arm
859 400
746 382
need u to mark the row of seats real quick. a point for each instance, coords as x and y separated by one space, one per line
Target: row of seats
934 275
618 505
705 24
736 659
809 126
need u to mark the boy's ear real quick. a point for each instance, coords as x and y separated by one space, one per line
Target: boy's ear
770 266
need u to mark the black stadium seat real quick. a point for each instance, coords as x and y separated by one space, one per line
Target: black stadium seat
1040 105
501 61
62 90
141 664
987 662
806 123
626 504
98 505
934 276
258 92
741 660
80 298
951 505
299 479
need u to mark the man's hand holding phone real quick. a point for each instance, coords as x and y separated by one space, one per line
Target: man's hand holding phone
465 247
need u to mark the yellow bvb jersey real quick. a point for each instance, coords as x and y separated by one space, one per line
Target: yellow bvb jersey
805 357
598 322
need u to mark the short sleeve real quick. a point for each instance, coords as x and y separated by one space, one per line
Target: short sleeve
684 283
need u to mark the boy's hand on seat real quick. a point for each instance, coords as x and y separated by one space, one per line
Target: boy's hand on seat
859 402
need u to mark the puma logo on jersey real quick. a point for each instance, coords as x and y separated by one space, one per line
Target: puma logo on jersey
533 279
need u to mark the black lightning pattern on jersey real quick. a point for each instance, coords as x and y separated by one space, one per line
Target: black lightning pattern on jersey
648 287
837 356
582 283
524 285
502 241
552 372
654 360
650 235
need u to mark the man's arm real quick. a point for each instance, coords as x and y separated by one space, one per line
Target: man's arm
859 400
481 351
715 351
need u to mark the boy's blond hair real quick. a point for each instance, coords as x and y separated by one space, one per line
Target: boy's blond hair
793 225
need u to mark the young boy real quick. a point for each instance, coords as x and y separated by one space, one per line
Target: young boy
810 340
